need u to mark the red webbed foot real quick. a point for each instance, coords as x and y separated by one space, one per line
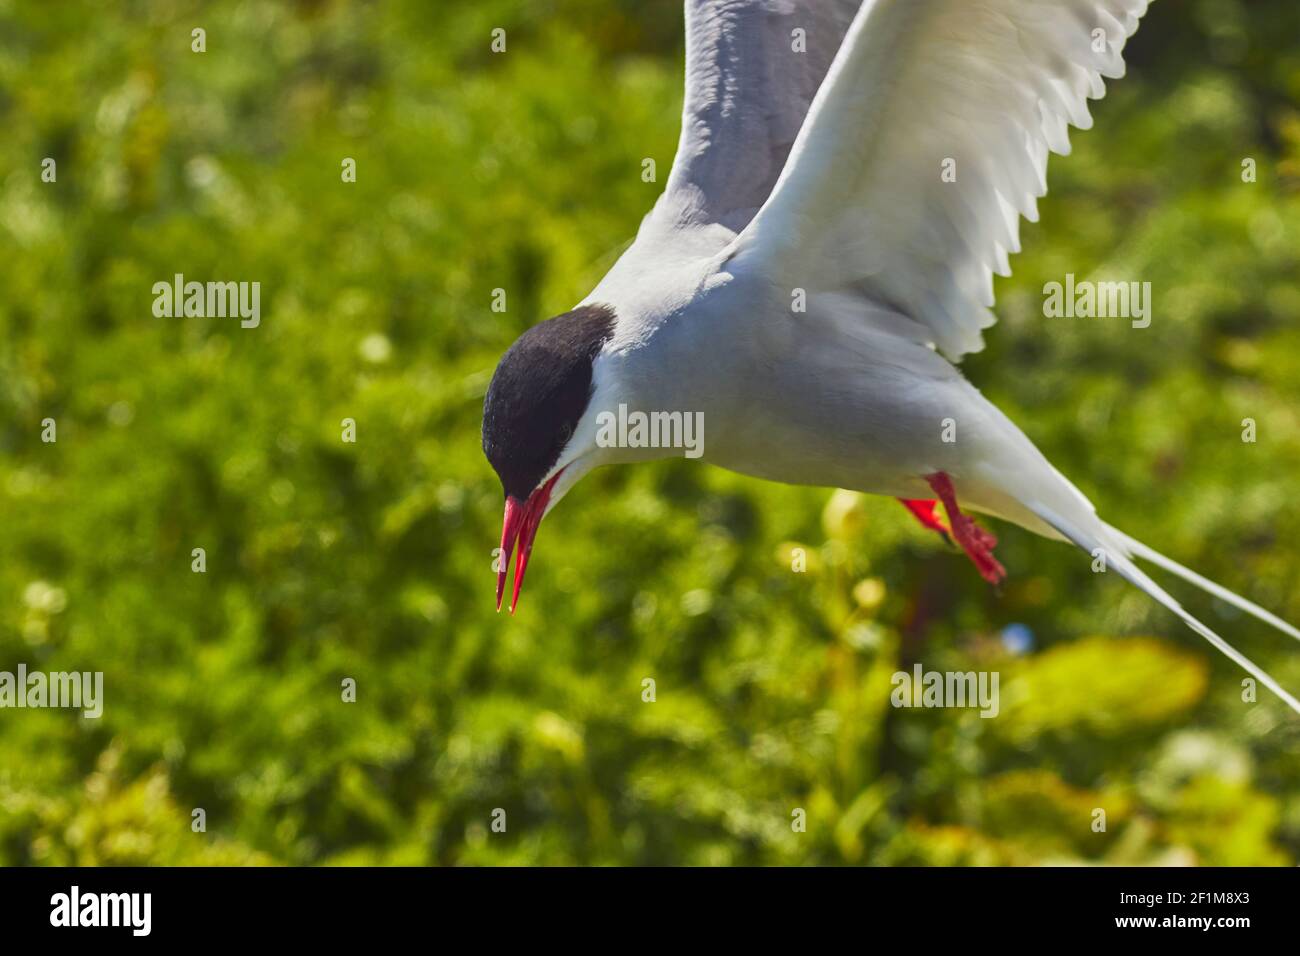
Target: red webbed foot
977 542
923 510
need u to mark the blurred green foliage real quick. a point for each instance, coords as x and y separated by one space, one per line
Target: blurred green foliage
372 560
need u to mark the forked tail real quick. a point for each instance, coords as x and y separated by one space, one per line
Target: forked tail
1119 549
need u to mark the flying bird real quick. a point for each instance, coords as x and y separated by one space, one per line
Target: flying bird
850 176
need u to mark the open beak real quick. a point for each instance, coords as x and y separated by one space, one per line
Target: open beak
521 522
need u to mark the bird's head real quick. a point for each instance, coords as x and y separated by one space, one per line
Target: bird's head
535 429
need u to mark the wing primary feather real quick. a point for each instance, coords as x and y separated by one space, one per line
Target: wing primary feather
964 99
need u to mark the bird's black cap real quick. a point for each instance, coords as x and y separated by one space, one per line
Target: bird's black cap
539 392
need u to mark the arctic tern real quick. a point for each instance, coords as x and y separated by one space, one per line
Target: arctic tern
850 176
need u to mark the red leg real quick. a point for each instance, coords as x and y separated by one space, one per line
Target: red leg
974 540
923 511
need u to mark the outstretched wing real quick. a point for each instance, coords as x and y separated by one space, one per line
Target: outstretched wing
752 70
927 142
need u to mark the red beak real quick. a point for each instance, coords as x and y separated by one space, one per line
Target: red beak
521 522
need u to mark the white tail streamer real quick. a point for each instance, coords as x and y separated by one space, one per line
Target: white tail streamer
1118 546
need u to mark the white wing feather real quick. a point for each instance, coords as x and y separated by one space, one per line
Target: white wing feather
980 89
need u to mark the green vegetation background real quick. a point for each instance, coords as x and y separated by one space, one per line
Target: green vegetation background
372 560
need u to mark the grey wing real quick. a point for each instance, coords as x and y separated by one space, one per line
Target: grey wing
752 69
926 145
